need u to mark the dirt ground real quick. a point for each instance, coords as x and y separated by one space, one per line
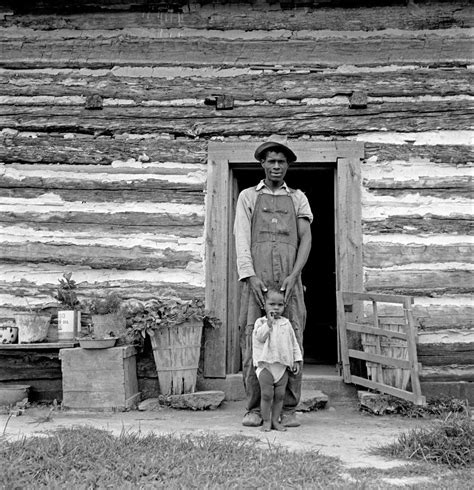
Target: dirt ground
342 431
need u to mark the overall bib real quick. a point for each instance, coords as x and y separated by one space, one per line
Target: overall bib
274 246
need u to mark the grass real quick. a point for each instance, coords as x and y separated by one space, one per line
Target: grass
449 442
85 457
422 476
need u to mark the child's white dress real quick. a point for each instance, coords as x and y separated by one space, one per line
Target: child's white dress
275 350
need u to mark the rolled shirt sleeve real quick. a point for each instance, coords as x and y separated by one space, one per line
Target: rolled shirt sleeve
242 233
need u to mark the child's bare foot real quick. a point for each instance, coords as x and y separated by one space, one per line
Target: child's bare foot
266 427
278 426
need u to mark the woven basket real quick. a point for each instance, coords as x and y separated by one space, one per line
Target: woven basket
176 352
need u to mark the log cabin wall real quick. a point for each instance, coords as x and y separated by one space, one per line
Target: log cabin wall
104 131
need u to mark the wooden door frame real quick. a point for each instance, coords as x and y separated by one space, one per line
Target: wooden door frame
221 279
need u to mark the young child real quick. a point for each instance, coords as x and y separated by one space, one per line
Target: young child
274 349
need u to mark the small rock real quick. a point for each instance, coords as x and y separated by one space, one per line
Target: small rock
331 409
200 400
150 404
375 403
312 400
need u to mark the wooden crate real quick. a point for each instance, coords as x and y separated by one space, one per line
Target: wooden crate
103 379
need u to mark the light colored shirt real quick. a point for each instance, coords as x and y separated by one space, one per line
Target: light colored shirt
243 221
278 345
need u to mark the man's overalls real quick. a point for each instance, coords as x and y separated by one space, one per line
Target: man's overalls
274 245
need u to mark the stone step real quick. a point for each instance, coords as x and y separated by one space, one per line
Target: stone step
331 385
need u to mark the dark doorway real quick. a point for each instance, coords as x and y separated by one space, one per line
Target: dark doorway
319 274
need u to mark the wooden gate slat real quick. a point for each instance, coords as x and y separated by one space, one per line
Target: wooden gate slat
346 299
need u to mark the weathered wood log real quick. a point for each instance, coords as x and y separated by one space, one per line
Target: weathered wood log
84 150
110 230
146 220
13 293
450 372
251 120
449 154
21 365
449 183
251 86
65 50
417 224
256 16
419 282
382 254
444 354
401 193
97 257
96 195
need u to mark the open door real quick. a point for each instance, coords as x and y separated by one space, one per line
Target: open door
386 331
329 173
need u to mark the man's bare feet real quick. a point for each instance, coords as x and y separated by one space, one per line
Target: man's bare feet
266 427
278 426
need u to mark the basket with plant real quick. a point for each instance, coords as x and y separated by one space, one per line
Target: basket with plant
174 326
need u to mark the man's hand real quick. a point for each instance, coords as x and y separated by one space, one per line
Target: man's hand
297 368
257 286
287 287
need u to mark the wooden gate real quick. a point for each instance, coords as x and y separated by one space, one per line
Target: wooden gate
387 336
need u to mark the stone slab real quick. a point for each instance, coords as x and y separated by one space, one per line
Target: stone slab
200 400
312 400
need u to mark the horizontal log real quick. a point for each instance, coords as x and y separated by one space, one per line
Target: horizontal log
381 254
42 294
78 194
270 87
96 257
419 282
250 120
26 365
110 230
448 154
254 16
445 354
424 48
144 220
460 192
416 225
446 182
431 316
450 372
85 150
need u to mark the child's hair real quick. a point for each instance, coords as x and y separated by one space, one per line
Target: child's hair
273 290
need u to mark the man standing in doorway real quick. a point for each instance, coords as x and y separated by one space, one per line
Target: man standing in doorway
273 241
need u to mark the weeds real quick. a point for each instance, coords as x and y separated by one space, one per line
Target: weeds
84 457
448 441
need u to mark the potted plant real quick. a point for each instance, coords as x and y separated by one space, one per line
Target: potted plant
69 314
32 325
175 329
107 316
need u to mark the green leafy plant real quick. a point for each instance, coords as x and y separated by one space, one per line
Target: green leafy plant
167 310
66 292
111 303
